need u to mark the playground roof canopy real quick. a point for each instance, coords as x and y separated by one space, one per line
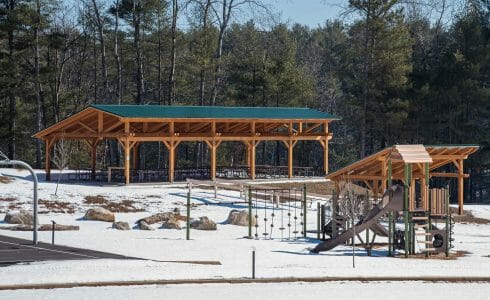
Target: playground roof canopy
374 167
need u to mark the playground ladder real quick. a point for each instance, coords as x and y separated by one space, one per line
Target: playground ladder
423 224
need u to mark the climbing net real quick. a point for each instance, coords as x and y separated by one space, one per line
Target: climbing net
278 213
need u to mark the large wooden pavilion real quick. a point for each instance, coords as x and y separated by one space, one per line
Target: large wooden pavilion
131 125
423 163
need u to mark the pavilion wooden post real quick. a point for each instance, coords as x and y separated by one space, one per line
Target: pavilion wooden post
213 146
135 156
290 145
384 175
47 156
460 187
423 186
127 150
171 161
324 142
93 156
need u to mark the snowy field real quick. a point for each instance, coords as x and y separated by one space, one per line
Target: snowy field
332 290
275 258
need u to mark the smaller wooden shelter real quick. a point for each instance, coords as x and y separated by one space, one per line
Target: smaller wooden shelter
131 125
419 163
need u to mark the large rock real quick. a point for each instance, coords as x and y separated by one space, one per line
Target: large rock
144 226
99 214
19 217
204 223
156 218
121 225
171 224
239 217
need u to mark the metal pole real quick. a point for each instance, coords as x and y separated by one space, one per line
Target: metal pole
253 262
53 225
448 222
405 208
304 211
188 221
318 206
250 212
390 233
8 162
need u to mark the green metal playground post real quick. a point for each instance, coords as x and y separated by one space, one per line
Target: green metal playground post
250 212
411 232
428 208
367 229
391 225
188 221
304 210
334 215
448 223
318 206
405 208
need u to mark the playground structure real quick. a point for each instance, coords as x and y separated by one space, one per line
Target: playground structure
424 208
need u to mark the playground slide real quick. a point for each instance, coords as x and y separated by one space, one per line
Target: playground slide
372 217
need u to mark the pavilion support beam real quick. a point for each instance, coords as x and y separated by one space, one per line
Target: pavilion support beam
460 187
171 146
93 158
213 147
127 153
251 150
384 175
47 157
290 145
135 156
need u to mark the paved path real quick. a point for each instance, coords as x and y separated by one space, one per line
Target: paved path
15 250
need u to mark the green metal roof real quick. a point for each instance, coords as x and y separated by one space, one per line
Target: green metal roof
216 112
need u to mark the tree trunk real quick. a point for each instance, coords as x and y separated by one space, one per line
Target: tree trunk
117 57
173 33
365 92
11 96
38 83
140 87
100 30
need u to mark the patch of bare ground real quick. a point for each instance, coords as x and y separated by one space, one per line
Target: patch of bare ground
124 206
440 256
7 199
153 196
95 200
6 179
467 217
57 206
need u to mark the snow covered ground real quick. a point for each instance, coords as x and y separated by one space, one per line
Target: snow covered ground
275 258
331 290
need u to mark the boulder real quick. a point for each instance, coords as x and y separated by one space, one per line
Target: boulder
121 225
156 218
19 217
204 223
171 224
99 214
145 226
239 217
